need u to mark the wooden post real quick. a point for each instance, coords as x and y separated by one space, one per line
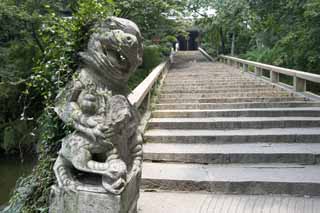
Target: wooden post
274 76
299 84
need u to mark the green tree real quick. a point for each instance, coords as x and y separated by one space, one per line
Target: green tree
54 38
61 38
226 26
280 32
152 16
289 28
19 45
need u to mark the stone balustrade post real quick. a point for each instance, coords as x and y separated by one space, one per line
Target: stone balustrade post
98 169
299 84
245 67
258 71
274 76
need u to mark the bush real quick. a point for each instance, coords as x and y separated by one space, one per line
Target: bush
62 38
17 137
265 55
151 56
171 39
209 49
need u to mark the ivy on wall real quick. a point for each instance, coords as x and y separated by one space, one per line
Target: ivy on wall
61 38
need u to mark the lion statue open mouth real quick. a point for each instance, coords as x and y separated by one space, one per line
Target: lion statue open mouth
114 50
105 141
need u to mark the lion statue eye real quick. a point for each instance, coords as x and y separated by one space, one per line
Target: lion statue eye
112 24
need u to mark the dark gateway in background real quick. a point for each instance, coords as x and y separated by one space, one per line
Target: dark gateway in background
192 42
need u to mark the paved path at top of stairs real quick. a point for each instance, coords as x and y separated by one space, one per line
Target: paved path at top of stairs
182 202
216 129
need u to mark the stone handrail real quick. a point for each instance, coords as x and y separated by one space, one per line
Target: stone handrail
299 77
137 96
206 54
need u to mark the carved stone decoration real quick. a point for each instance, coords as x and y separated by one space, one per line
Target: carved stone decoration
102 157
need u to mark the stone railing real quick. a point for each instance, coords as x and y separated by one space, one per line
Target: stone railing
299 78
144 89
206 54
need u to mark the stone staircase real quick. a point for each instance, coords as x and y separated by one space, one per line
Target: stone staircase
218 130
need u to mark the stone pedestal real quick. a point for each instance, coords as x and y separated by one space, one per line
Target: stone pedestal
95 201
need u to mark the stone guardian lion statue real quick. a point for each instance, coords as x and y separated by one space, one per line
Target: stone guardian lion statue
105 149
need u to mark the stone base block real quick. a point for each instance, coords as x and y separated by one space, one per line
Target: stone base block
84 201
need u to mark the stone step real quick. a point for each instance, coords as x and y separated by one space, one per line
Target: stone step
201 202
197 83
209 82
226 94
206 106
218 87
204 90
205 74
289 135
230 99
225 82
201 72
217 77
221 123
215 89
262 112
294 179
213 75
210 78
302 153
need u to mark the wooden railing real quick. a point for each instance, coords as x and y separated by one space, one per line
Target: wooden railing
299 78
138 95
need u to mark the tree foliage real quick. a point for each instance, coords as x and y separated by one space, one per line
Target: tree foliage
284 33
61 38
227 27
34 33
38 54
152 16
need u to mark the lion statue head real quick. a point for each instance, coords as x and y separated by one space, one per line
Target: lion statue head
114 51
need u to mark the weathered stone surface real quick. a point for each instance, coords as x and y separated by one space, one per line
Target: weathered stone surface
220 130
303 153
99 160
262 112
83 201
221 123
289 135
223 94
196 202
184 106
274 178
229 99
